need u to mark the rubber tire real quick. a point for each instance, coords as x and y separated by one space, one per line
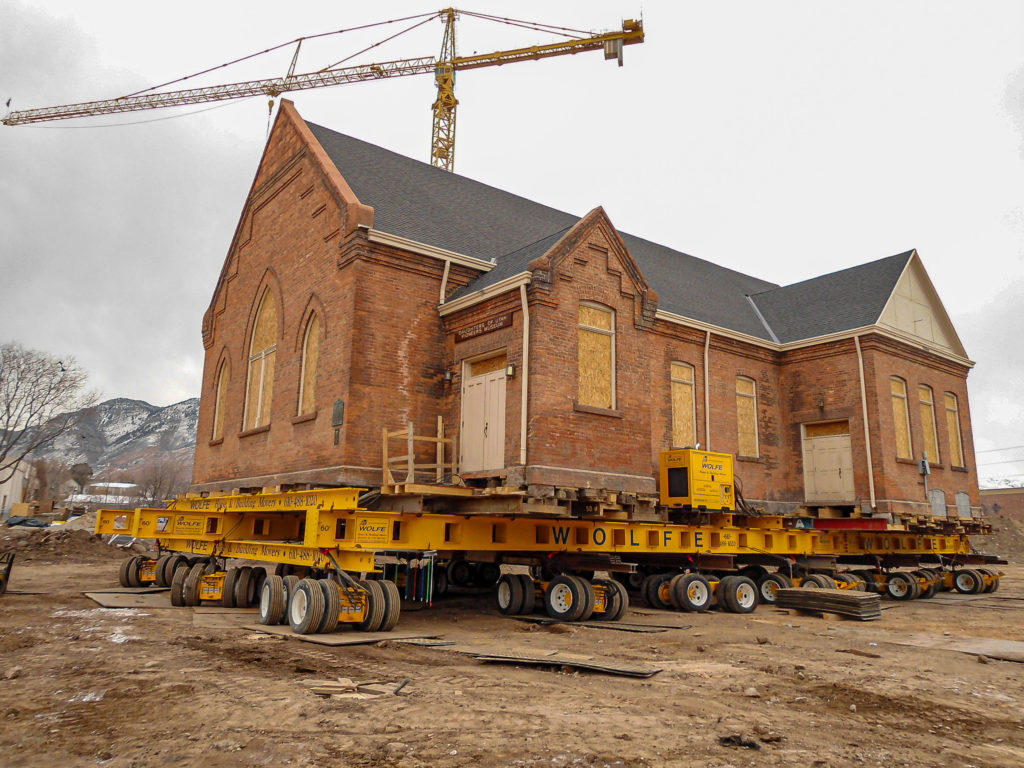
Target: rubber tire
653 591
845 578
486 574
904 589
227 592
509 595
741 596
826 582
272 601
870 583
306 607
291 582
930 590
720 589
993 575
981 583
332 606
617 601
174 564
673 596
242 592
160 563
190 589
375 607
178 586
134 566
529 594
768 588
259 575
753 572
392 605
694 593
460 573
966 581
441 582
589 599
122 573
563 599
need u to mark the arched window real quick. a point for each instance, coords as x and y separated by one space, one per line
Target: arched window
310 358
262 354
684 421
956 443
218 403
596 356
901 418
931 438
746 416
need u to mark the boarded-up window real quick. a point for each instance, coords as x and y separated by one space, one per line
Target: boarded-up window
596 356
746 416
218 407
901 418
310 358
262 353
931 438
684 433
956 444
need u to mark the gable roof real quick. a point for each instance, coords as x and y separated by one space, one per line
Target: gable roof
839 301
428 205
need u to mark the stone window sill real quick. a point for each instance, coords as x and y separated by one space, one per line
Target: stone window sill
218 441
304 418
579 408
755 459
254 431
906 461
959 469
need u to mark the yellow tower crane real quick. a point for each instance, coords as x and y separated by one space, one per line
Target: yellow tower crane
442 151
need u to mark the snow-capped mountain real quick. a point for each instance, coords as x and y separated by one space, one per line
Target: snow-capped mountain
122 434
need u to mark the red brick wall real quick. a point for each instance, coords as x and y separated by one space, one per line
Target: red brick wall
1008 502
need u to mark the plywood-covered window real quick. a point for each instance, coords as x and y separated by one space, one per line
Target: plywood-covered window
218 403
901 418
310 359
596 356
259 388
746 416
931 439
684 421
956 444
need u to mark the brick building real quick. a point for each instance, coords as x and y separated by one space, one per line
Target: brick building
364 290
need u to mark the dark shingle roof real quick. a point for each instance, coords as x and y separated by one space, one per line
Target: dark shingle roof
840 301
416 201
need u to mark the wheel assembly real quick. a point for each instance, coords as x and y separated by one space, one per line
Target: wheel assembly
768 587
306 607
740 595
510 594
272 601
563 599
694 593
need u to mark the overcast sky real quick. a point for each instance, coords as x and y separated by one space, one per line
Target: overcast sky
782 139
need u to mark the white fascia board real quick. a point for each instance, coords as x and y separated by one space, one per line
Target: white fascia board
376 236
508 284
912 341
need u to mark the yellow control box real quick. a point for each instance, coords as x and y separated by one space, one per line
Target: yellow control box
697 479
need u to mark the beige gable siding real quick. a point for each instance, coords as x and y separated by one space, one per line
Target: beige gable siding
916 310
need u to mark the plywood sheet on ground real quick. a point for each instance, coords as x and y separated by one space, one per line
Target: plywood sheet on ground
337 638
995 648
134 599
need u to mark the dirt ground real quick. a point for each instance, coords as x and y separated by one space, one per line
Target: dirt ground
82 685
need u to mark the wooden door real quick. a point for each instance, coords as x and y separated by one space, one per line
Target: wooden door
483 417
828 464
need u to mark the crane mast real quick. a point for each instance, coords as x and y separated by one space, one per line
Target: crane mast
444 67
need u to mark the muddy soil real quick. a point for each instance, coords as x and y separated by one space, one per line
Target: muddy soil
82 685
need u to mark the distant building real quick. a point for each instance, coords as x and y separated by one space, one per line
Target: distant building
106 495
17 489
1008 502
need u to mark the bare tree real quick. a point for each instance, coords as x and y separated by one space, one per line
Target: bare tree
81 473
41 398
164 478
